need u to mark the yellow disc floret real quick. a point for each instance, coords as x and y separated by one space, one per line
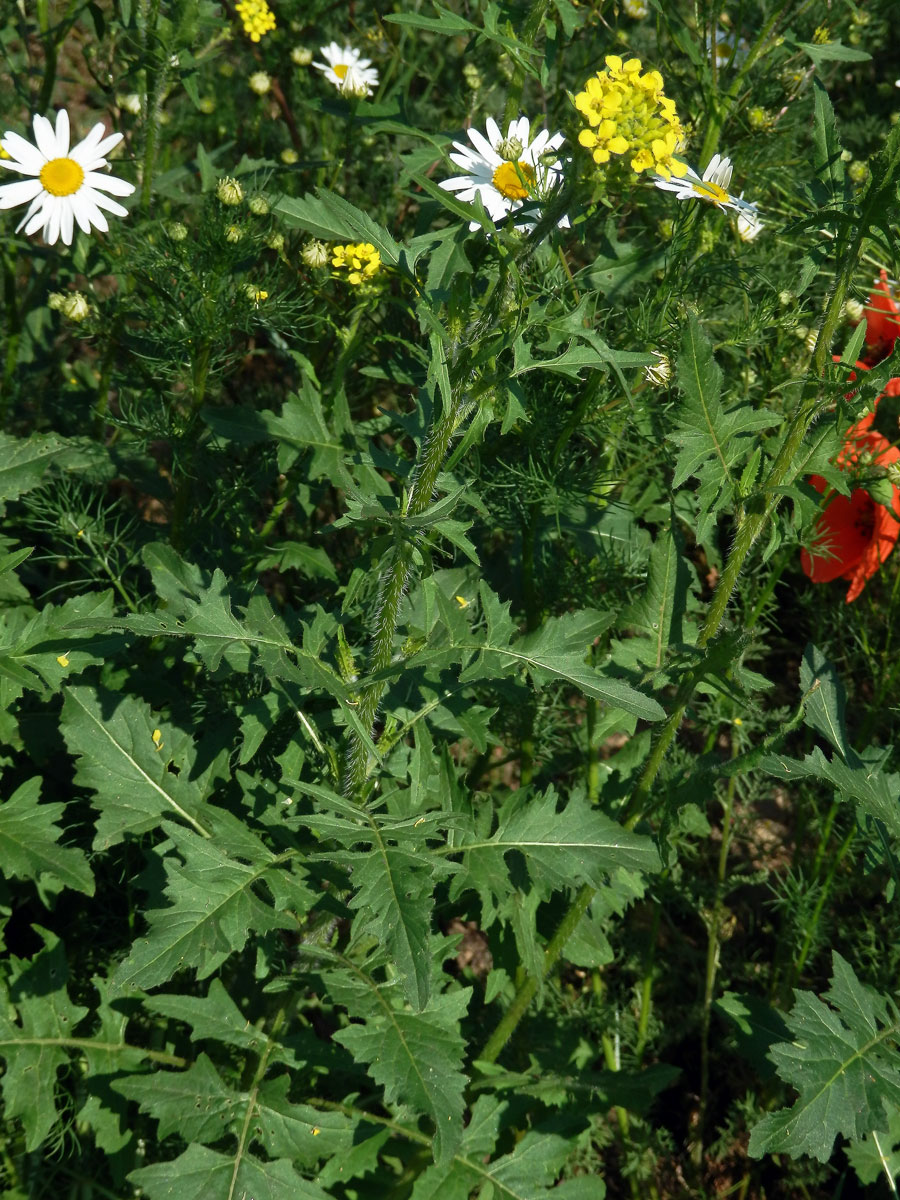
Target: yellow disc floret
627 113
62 176
257 18
515 180
361 259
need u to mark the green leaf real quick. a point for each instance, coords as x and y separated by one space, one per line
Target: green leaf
40 653
711 439
204 1174
302 427
555 651
663 602
23 462
843 1060
878 1154
528 1173
562 848
36 1019
828 191
826 699
862 779
29 842
836 51
214 908
128 770
415 1057
215 1016
194 1103
329 216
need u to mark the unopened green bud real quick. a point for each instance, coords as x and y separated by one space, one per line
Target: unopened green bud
229 191
315 254
72 305
177 231
275 241
302 56
233 233
258 205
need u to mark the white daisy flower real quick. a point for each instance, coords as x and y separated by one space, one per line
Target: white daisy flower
343 66
65 186
509 173
712 187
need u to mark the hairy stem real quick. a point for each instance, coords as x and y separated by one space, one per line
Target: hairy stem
432 456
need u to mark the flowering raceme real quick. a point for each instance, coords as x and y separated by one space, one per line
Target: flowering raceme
256 17
628 114
361 259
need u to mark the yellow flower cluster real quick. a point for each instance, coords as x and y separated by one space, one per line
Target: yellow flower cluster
628 114
258 19
361 259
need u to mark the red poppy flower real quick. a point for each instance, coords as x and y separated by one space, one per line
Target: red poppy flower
882 318
855 532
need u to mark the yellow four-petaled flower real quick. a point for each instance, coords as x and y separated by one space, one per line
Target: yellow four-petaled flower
361 259
628 114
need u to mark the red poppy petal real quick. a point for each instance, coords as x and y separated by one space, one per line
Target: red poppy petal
844 531
884 538
882 316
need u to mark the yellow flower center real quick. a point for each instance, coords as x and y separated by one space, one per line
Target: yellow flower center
514 180
62 176
341 69
710 191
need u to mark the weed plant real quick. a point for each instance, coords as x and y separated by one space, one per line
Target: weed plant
448 623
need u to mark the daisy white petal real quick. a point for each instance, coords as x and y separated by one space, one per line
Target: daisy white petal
23 157
108 183
45 137
14 194
66 220
104 202
492 129
62 133
91 154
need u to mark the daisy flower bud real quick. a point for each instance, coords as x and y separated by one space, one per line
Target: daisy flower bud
289 156
301 56
258 205
260 82
659 373
854 311
72 305
229 191
233 233
275 241
315 254
177 231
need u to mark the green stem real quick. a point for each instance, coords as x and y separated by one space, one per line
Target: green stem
13 333
527 37
647 980
185 483
153 86
432 455
527 991
713 945
824 893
